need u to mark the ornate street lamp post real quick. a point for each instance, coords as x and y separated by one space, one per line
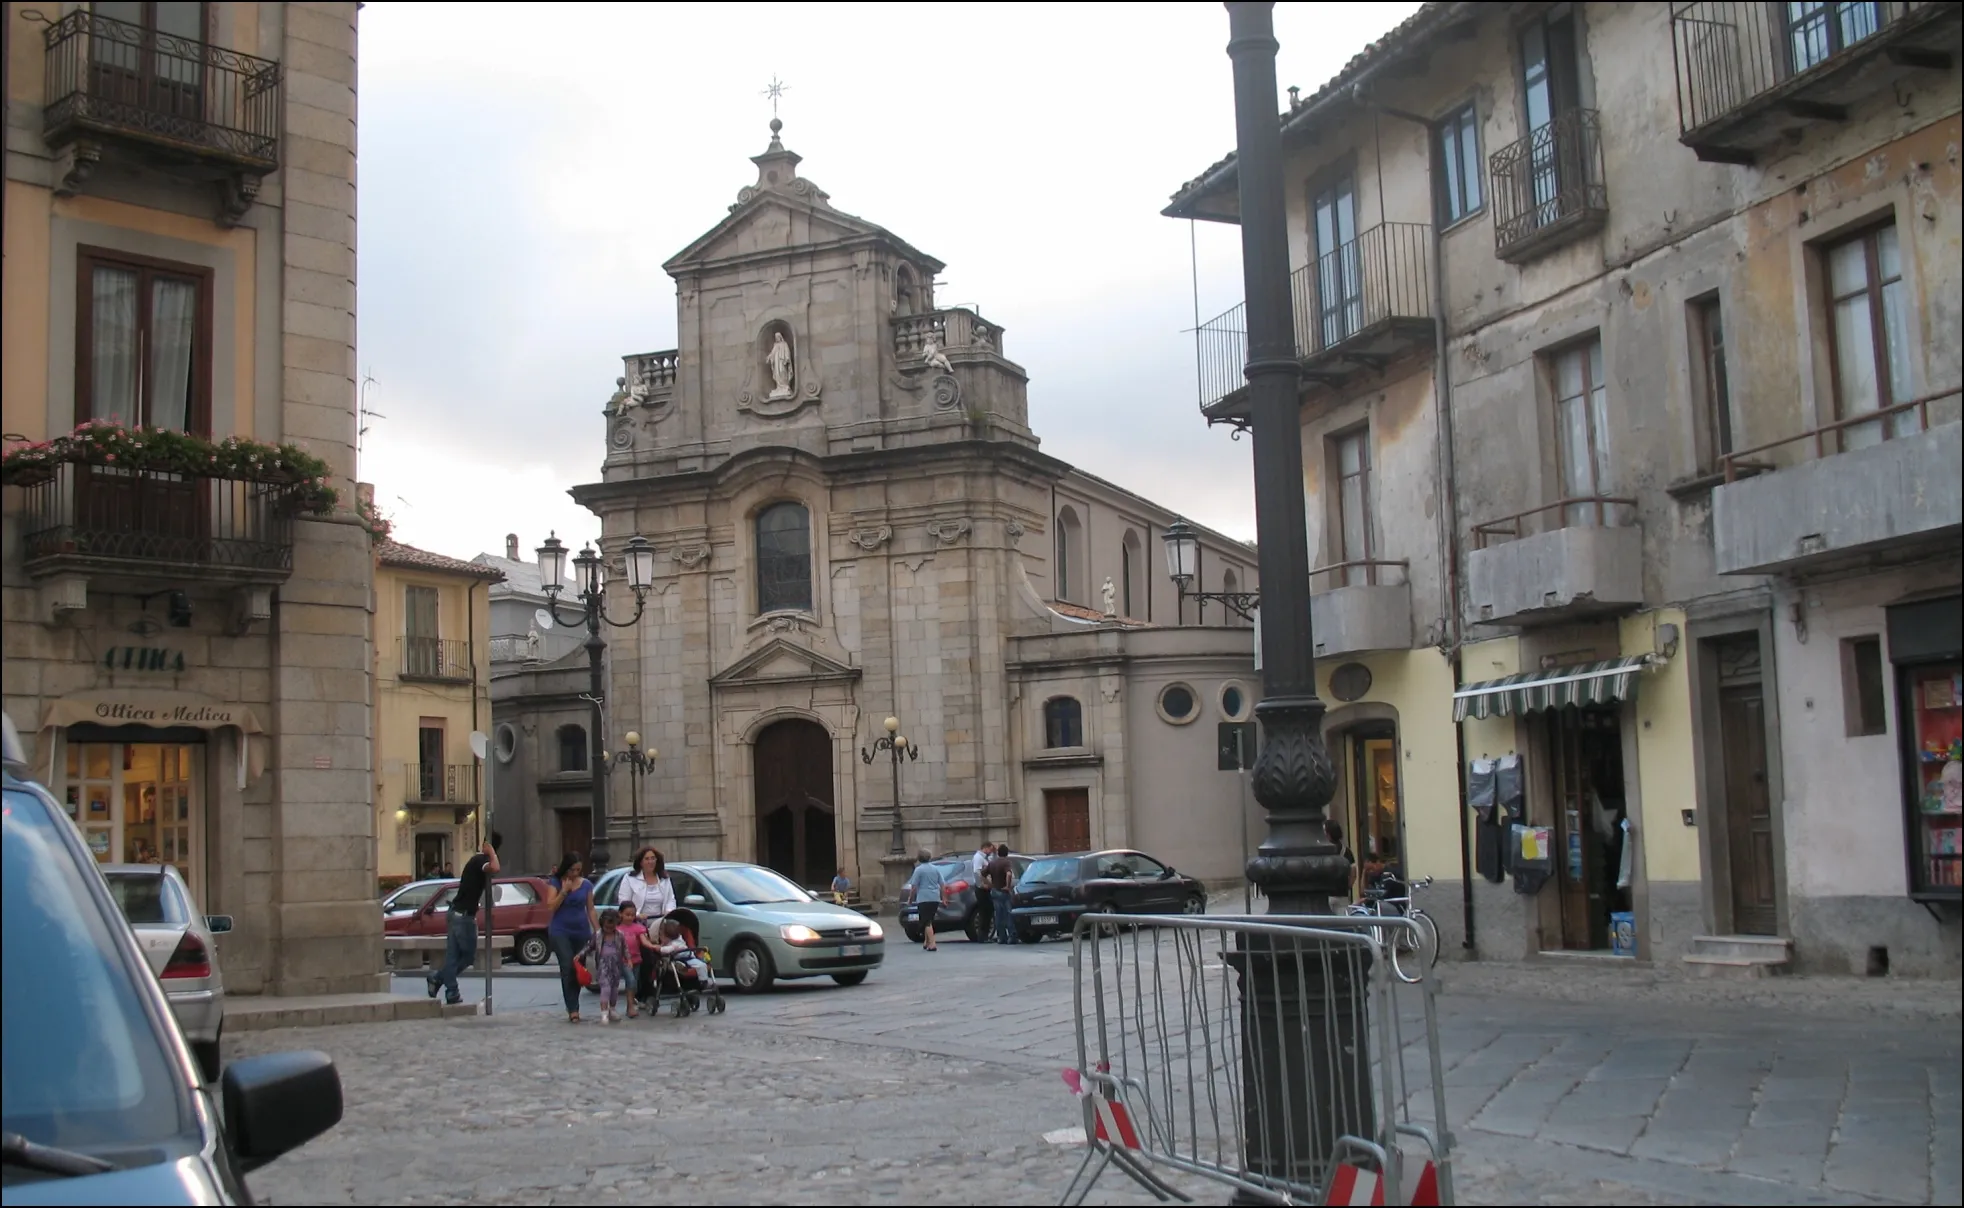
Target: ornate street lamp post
590 585
1183 559
897 746
639 764
1299 1045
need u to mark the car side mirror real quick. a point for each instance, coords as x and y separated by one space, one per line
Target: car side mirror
218 924
1167 872
276 1103
696 901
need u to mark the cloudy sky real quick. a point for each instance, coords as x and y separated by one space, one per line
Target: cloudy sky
525 172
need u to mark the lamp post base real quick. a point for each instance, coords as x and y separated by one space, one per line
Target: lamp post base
896 868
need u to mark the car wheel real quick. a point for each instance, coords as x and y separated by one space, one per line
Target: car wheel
976 928
751 968
915 934
850 979
1108 908
1195 904
533 950
206 1051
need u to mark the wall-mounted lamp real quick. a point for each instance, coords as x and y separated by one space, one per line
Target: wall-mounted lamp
402 815
1667 640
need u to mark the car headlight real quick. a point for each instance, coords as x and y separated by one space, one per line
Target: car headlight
875 931
798 933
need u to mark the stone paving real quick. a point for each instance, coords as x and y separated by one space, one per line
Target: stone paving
937 1080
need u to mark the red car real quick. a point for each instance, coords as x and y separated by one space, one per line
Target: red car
519 910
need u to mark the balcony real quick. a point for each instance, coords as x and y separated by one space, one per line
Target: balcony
1355 308
440 784
1565 561
141 527
1880 486
187 103
434 660
1548 188
953 332
650 380
1749 73
1361 606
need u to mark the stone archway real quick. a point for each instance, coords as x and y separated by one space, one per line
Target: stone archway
797 828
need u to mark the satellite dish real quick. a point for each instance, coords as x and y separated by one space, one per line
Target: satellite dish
479 744
543 619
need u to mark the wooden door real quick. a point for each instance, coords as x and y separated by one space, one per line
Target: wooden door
796 828
1067 816
575 833
1748 808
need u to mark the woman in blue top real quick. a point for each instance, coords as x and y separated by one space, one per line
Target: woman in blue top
571 903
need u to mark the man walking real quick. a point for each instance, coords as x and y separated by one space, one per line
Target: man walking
925 885
459 953
999 874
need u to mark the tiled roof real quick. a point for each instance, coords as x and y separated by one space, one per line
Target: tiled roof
395 553
1081 613
1429 18
521 577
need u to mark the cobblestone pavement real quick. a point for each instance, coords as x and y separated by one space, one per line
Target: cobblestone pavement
937 1080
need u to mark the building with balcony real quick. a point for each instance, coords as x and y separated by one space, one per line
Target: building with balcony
432 692
187 645
1672 478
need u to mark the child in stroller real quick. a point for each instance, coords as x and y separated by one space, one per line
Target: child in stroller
684 967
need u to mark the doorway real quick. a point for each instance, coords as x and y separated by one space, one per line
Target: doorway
1748 799
139 802
1585 772
575 834
432 855
796 829
1373 832
1067 819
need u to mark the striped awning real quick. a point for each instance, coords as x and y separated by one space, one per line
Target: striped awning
1582 684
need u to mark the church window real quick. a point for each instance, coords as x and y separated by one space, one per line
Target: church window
572 748
1063 723
784 558
1070 555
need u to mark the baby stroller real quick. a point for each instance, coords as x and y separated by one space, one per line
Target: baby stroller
694 989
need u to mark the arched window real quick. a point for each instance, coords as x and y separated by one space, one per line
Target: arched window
784 558
1129 558
906 291
572 748
1070 556
1231 582
1063 723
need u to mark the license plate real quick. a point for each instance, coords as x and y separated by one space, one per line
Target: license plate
1044 920
853 950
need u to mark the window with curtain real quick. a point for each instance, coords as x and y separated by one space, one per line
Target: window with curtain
784 558
1871 334
1459 166
144 346
1581 418
1063 723
1353 458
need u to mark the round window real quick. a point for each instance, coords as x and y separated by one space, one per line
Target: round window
1234 702
507 743
1176 704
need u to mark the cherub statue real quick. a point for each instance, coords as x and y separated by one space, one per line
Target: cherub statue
933 357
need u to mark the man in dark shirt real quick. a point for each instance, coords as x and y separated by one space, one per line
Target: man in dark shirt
999 874
458 954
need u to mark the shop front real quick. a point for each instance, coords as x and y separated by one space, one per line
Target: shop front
1927 651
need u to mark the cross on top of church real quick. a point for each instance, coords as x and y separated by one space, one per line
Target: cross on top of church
775 93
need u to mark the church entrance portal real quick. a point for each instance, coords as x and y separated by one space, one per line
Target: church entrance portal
795 825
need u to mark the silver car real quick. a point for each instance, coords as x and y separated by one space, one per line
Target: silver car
181 946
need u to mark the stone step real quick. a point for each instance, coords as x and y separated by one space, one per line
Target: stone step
258 1013
1766 949
1732 966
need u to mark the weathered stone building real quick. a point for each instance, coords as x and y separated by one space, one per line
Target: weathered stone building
188 647
1630 338
854 522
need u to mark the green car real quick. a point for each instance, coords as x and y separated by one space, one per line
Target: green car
760 926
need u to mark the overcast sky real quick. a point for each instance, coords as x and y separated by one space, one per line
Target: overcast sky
524 172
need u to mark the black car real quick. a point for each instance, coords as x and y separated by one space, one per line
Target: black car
1054 890
103 1103
964 904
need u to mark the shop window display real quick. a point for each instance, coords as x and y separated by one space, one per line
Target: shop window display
1934 698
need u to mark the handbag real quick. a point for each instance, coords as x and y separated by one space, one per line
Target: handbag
582 972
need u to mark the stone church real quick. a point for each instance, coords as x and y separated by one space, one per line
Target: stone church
854 522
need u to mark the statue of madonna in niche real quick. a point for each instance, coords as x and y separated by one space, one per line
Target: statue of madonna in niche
779 362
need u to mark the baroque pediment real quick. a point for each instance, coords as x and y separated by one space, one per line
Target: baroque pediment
774 221
782 661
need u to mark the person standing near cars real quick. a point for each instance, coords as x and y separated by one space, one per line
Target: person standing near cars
999 874
925 885
572 926
979 864
648 886
459 954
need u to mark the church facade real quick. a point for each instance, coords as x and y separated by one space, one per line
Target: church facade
854 522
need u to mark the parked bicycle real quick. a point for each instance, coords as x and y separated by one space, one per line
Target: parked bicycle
1413 949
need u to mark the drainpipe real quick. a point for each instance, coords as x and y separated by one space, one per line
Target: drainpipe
1442 391
470 628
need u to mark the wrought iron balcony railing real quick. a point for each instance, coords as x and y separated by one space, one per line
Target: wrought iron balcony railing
1548 187
445 660
112 78
451 784
1344 301
88 519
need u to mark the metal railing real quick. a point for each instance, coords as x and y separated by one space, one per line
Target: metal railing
1383 274
440 784
156 521
1888 423
1362 572
1728 53
111 77
1592 511
445 659
1548 181
955 329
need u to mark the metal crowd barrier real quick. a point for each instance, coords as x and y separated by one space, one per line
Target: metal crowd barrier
1178 1068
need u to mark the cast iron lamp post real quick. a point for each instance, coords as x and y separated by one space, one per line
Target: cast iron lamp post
1303 1041
896 745
1183 560
590 584
639 764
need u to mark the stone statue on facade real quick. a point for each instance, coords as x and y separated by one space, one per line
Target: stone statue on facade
778 361
532 646
933 357
1110 594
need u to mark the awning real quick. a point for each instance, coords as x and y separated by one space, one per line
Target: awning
145 707
1582 684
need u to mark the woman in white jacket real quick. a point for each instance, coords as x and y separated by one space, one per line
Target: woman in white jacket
653 895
